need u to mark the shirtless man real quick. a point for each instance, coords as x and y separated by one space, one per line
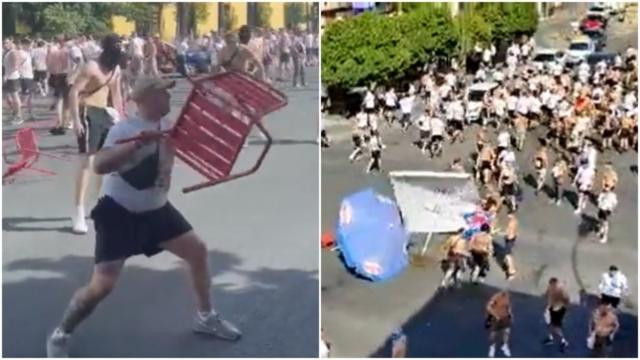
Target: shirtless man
455 249
520 125
237 56
480 247
485 164
499 319
602 328
11 79
96 80
509 241
625 134
540 163
507 185
557 303
559 171
609 177
58 65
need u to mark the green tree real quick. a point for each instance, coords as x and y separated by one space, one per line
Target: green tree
294 13
264 14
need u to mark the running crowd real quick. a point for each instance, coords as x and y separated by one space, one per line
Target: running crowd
575 110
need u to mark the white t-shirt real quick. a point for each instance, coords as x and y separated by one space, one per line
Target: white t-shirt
615 285
369 100
437 126
25 65
390 99
512 101
406 104
137 46
39 56
116 187
535 105
499 105
458 110
584 177
361 120
523 105
607 201
504 139
450 78
498 76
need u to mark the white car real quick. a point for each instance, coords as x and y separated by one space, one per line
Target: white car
579 49
544 58
599 9
476 95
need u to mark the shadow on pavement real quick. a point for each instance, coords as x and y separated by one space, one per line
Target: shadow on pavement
451 325
150 312
284 142
14 224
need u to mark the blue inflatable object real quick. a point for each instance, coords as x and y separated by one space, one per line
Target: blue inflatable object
371 236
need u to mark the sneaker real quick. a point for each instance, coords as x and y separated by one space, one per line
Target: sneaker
492 351
547 341
70 126
58 131
58 345
577 212
505 350
17 121
563 345
215 325
79 225
603 240
558 203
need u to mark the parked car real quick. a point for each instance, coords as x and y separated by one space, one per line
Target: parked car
543 58
599 37
599 9
476 96
579 49
593 22
597 57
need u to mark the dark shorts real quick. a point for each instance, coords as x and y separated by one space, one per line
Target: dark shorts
375 154
357 141
437 138
96 123
370 110
11 86
625 133
603 215
39 75
424 134
485 165
508 245
58 82
27 86
607 133
610 300
509 189
500 324
284 57
556 316
456 125
121 234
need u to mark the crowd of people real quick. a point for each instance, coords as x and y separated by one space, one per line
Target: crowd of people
571 113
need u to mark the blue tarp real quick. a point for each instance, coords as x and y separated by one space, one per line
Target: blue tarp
371 236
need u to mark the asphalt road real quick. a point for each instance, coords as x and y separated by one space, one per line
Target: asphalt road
359 316
261 232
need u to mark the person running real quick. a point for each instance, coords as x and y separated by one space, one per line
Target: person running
609 177
436 142
39 55
540 163
607 202
602 329
27 83
557 300
151 55
613 286
520 125
558 173
480 248
298 56
498 321
485 164
11 63
510 237
237 56
96 81
134 216
456 253
406 107
375 149
583 182
59 65
284 43
507 184
390 105
357 136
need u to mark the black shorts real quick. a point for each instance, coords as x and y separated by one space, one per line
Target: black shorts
610 300
284 57
39 75
370 110
556 316
437 138
58 82
485 165
121 233
357 141
390 108
603 215
424 134
375 154
625 134
11 86
456 125
509 189
508 245
607 133
27 86
96 123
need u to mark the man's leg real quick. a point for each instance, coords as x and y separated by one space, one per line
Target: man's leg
84 301
193 251
17 104
82 183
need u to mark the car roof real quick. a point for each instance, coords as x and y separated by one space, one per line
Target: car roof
546 51
581 39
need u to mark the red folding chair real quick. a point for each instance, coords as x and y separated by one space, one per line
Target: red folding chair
215 122
27 146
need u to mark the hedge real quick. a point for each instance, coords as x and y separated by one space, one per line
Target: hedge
376 47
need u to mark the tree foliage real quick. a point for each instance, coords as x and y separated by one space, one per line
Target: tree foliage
264 14
294 13
374 47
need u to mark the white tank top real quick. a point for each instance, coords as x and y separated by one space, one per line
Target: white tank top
26 65
14 75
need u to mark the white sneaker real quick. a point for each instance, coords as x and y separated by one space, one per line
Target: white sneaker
215 325
505 350
58 344
492 351
80 225
577 212
603 240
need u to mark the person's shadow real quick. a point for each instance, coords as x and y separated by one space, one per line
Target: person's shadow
150 312
14 224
